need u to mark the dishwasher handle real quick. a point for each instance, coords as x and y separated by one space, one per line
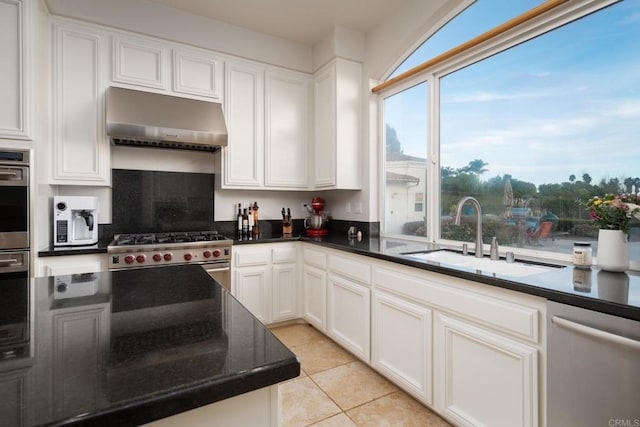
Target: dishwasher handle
596 333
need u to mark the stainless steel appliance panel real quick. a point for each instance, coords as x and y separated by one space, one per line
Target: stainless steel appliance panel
221 272
593 368
14 199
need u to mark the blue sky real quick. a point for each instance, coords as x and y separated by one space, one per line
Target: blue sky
565 103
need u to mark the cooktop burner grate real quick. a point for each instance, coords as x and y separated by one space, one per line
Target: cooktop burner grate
163 238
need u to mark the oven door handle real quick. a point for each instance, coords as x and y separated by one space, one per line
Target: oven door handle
217 269
9 173
15 177
8 261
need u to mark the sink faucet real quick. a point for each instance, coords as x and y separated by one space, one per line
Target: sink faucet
476 204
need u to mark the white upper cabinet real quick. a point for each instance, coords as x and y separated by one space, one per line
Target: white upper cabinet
80 148
15 69
244 112
337 141
141 62
198 73
287 98
268 119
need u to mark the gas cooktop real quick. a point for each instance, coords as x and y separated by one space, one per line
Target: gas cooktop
160 249
164 238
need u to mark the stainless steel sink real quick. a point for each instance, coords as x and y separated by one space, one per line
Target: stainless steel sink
485 265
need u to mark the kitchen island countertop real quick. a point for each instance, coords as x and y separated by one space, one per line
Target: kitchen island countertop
130 347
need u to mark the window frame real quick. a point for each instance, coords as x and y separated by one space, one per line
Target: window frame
556 18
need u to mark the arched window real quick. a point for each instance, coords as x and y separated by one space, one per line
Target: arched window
533 123
477 18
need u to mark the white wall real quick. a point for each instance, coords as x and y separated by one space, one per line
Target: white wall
161 21
386 46
380 50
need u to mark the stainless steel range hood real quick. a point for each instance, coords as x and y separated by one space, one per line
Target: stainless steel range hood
148 119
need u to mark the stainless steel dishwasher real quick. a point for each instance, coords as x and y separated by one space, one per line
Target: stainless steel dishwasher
593 370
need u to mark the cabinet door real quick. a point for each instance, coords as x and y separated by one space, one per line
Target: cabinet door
15 69
314 290
16 398
348 315
253 290
140 62
244 112
325 128
80 145
338 109
484 379
284 284
197 73
401 344
79 342
286 130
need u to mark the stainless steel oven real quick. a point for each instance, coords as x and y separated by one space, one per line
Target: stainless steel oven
14 199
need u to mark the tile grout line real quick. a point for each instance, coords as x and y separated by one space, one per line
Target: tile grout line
396 390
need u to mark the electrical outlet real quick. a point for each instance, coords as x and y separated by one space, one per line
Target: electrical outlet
357 208
348 207
303 207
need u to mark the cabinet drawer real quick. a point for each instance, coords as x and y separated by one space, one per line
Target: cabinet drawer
286 254
350 268
243 258
516 319
315 258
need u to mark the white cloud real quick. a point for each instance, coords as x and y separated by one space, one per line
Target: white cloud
625 109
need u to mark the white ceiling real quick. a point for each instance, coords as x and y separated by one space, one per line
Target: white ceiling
303 21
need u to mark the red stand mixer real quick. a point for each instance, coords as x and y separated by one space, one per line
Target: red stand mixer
316 222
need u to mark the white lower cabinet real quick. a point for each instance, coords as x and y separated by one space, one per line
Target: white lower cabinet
349 314
401 342
252 291
482 378
314 291
284 281
473 353
314 286
265 280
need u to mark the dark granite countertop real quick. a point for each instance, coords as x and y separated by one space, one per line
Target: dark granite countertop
613 293
99 248
128 347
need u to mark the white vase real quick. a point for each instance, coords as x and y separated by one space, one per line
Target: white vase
613 250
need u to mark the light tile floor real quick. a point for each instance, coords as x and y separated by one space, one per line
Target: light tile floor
335 389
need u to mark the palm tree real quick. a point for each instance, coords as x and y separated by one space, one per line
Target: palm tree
628 183
572 178
476 166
